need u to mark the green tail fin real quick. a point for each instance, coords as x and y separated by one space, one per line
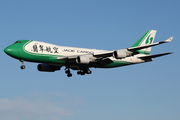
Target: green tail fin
147 38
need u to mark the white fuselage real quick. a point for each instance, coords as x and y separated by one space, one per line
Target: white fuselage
44 49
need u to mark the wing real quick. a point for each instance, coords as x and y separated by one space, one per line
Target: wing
132 49
102 58
150 45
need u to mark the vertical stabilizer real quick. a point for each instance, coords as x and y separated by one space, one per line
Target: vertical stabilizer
147 38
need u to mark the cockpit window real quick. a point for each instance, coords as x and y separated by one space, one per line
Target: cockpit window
18 42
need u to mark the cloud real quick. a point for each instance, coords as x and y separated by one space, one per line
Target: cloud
66 98
39 108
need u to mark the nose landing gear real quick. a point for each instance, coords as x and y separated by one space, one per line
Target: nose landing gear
22 66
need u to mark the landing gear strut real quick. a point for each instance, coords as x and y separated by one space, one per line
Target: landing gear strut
22 66
69 74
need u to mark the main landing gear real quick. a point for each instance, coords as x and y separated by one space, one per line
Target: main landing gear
81 72
85 71
22 66
69 74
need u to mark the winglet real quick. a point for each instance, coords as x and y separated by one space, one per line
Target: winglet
169 39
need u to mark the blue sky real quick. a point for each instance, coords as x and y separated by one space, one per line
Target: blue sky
145 91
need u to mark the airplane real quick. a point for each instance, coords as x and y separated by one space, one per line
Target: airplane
52 57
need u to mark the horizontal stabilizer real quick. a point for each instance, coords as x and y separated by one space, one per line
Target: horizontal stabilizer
154 56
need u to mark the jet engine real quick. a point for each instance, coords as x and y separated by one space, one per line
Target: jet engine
83 59
47 68
119 54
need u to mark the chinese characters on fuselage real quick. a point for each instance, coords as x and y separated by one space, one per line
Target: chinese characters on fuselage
48 49
41 48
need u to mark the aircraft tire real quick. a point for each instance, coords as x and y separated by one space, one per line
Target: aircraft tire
69 75
89 72
23 67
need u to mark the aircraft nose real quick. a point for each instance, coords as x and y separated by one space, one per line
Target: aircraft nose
10 50
7 50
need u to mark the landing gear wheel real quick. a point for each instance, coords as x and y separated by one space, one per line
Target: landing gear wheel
69 75
89 72
23 67
81 73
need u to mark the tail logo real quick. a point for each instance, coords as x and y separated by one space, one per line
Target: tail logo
149 40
